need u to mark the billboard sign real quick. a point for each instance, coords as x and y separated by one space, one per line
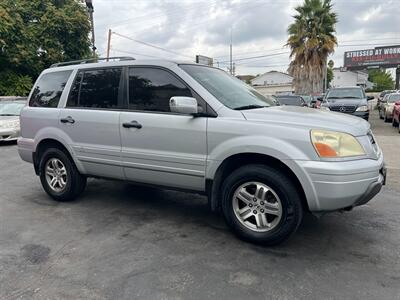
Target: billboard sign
385 57
204 60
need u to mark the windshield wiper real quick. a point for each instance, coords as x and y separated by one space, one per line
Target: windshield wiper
251 106
8 115
351 97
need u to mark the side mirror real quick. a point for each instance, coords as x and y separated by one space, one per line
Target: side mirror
370 98
183 105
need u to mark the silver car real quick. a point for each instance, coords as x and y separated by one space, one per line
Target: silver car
185 126
10 109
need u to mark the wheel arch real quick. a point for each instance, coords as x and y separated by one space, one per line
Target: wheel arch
47 143
235 161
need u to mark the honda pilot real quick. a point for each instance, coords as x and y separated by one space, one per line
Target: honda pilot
192 127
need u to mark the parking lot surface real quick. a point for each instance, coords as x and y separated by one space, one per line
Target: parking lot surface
120 241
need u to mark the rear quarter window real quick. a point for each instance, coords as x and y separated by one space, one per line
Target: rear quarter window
49 88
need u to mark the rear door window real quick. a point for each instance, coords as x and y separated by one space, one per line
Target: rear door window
99 88
49 88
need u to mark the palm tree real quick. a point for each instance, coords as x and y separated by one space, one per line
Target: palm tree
311 40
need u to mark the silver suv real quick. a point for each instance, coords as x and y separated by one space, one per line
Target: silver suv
196 128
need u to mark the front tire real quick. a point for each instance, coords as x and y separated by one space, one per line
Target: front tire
59 176
261 204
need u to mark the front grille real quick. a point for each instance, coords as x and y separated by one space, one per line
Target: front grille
348 109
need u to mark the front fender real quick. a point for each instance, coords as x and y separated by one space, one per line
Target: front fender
271 146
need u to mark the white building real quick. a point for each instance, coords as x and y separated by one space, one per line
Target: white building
273 82
350 78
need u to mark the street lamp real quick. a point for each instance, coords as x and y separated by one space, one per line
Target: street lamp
89 5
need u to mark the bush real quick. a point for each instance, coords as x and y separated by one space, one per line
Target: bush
12 84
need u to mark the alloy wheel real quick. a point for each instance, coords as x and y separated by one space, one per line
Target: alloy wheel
257 206
56 175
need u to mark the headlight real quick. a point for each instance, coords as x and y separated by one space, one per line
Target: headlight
362 108
335 144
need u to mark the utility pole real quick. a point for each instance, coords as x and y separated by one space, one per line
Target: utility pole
109 43
89 5
230 55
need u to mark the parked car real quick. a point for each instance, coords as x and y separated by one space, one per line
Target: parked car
387 105
349 100
294 100
195 128
380 98
10 109
396 115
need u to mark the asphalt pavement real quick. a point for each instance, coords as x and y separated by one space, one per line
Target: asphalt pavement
121 241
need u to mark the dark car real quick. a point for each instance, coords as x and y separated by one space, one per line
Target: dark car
349 100
291 100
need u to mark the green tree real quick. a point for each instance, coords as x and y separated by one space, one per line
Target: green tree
35 34
311 39
382 80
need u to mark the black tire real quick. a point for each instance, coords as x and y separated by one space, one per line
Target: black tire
386 119
380 115
394 123
292 210
75 182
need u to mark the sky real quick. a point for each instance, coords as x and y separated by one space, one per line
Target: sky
184 28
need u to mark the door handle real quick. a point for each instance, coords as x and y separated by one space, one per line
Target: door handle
133 124
67 120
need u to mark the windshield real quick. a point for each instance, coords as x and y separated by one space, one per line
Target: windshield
11 108
393 98
229 90
307 99
350 93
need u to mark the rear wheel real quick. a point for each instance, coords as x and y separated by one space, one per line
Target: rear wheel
59 176
261 204
394 122
386 119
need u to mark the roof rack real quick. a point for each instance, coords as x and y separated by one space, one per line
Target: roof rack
91 60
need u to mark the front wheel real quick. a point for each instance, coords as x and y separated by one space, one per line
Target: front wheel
261 204
59 176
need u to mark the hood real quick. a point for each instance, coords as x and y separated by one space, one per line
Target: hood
8 118
309 118
347 101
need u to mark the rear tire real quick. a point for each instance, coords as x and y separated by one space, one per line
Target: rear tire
386 119
59 176
394 122
261 204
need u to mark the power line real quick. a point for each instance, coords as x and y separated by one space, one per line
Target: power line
135 53
150 45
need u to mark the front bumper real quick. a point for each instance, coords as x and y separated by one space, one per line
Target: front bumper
331 186
9 134
361 114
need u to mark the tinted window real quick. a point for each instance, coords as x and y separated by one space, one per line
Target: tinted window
150 89
96 89
346 93
48 90
291 101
